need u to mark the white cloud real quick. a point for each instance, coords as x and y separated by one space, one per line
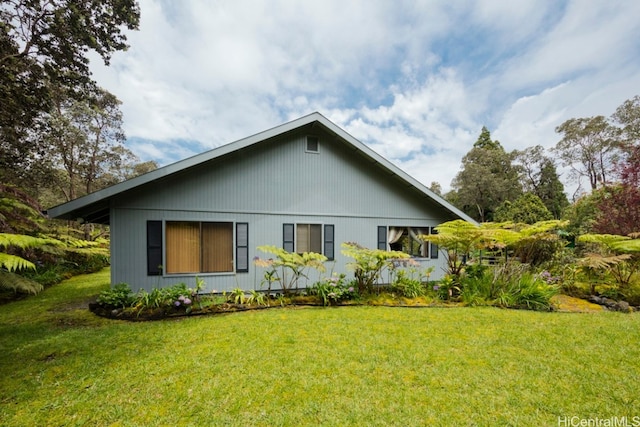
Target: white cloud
415 81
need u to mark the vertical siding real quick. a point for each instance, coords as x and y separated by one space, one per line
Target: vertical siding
266 186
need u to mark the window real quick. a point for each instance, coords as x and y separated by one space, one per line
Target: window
309 238
406 239
434 248
242 247
312 144
199 247
154 248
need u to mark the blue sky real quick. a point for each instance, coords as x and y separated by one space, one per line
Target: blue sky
416 81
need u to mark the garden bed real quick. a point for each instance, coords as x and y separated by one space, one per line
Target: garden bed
560 303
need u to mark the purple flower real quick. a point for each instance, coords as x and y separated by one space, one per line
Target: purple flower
187 301
177 303
351 289
181 298
436 287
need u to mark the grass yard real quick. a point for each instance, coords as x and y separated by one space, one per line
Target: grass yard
62 365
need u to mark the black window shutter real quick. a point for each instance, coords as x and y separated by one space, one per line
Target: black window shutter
242 247
329 245
154 248
434 247
287 237
382 237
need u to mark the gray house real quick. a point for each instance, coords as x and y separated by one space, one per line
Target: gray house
306 185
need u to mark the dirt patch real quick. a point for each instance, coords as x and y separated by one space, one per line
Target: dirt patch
73 305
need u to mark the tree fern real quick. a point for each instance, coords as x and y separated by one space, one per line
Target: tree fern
10 263
18 216
627 246
14 262
23 242
16 283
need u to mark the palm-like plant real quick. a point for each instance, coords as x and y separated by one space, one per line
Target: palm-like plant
10 263
619 256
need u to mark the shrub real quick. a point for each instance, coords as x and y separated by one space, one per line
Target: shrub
532 293
475 270
53 268
562 267
333 290
296 264
120 296
407 285
448 287
237 296
176 297
509 285
257 298
369 264
476 291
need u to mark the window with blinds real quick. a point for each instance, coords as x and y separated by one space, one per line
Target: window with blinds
199 247
309 238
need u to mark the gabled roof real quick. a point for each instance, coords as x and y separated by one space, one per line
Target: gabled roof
94 207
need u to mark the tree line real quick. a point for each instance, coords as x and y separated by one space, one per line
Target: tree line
524 185
61 134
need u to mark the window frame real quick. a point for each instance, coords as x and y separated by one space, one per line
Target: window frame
383 240
317 144
239 247
290 237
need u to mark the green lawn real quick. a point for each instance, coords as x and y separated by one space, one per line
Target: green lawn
61 365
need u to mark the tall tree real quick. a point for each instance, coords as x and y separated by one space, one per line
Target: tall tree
582 213
487 178
551 190
485 141
589 147
436 188
627 116
43 49
539 176
527 209
87 141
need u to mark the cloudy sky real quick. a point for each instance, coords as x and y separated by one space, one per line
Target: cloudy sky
415 80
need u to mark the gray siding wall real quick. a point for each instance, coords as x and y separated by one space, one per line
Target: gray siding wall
270 184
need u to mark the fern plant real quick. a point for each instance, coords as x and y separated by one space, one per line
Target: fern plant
618 256
9 263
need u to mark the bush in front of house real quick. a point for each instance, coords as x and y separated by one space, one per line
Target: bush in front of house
334 289
509 285
178 298
119 296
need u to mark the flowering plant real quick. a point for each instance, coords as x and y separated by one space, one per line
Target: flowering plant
548 278
334 289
